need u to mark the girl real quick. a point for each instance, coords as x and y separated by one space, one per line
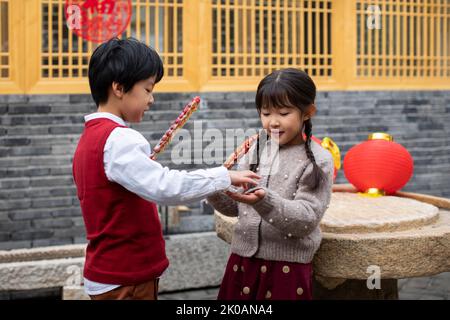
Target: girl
278 233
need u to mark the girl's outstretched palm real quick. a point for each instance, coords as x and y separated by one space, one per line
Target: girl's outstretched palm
250 198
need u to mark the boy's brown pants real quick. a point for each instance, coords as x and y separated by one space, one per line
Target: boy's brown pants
144 291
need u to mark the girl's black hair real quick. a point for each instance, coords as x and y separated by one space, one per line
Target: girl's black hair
124 61
291 88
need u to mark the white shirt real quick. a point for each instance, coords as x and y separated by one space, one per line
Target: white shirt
126 159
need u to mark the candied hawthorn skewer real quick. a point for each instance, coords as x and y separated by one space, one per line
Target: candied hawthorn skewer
175 126
239 152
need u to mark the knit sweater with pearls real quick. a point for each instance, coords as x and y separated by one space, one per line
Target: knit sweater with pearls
284 225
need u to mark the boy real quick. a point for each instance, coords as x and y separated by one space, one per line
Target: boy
117 183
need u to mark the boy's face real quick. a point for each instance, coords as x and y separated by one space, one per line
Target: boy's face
138 100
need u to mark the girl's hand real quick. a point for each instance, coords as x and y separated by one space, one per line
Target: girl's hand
242 178
250 198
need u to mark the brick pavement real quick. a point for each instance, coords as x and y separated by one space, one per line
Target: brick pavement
425 288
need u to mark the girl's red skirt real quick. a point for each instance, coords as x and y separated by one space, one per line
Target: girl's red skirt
258 279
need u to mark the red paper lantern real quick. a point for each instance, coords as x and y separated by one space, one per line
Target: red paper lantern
378 165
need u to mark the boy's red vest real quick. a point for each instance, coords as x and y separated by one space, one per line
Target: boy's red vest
126 244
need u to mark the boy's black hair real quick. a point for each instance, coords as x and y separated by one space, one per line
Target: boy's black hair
292 88
123 61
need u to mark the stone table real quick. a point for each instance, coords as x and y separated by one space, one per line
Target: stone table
395 237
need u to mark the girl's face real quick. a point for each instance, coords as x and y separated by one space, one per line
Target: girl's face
283 124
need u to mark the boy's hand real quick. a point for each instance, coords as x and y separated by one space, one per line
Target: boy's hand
242 178
250 198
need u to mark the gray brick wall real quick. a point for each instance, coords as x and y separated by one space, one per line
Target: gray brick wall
38 135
